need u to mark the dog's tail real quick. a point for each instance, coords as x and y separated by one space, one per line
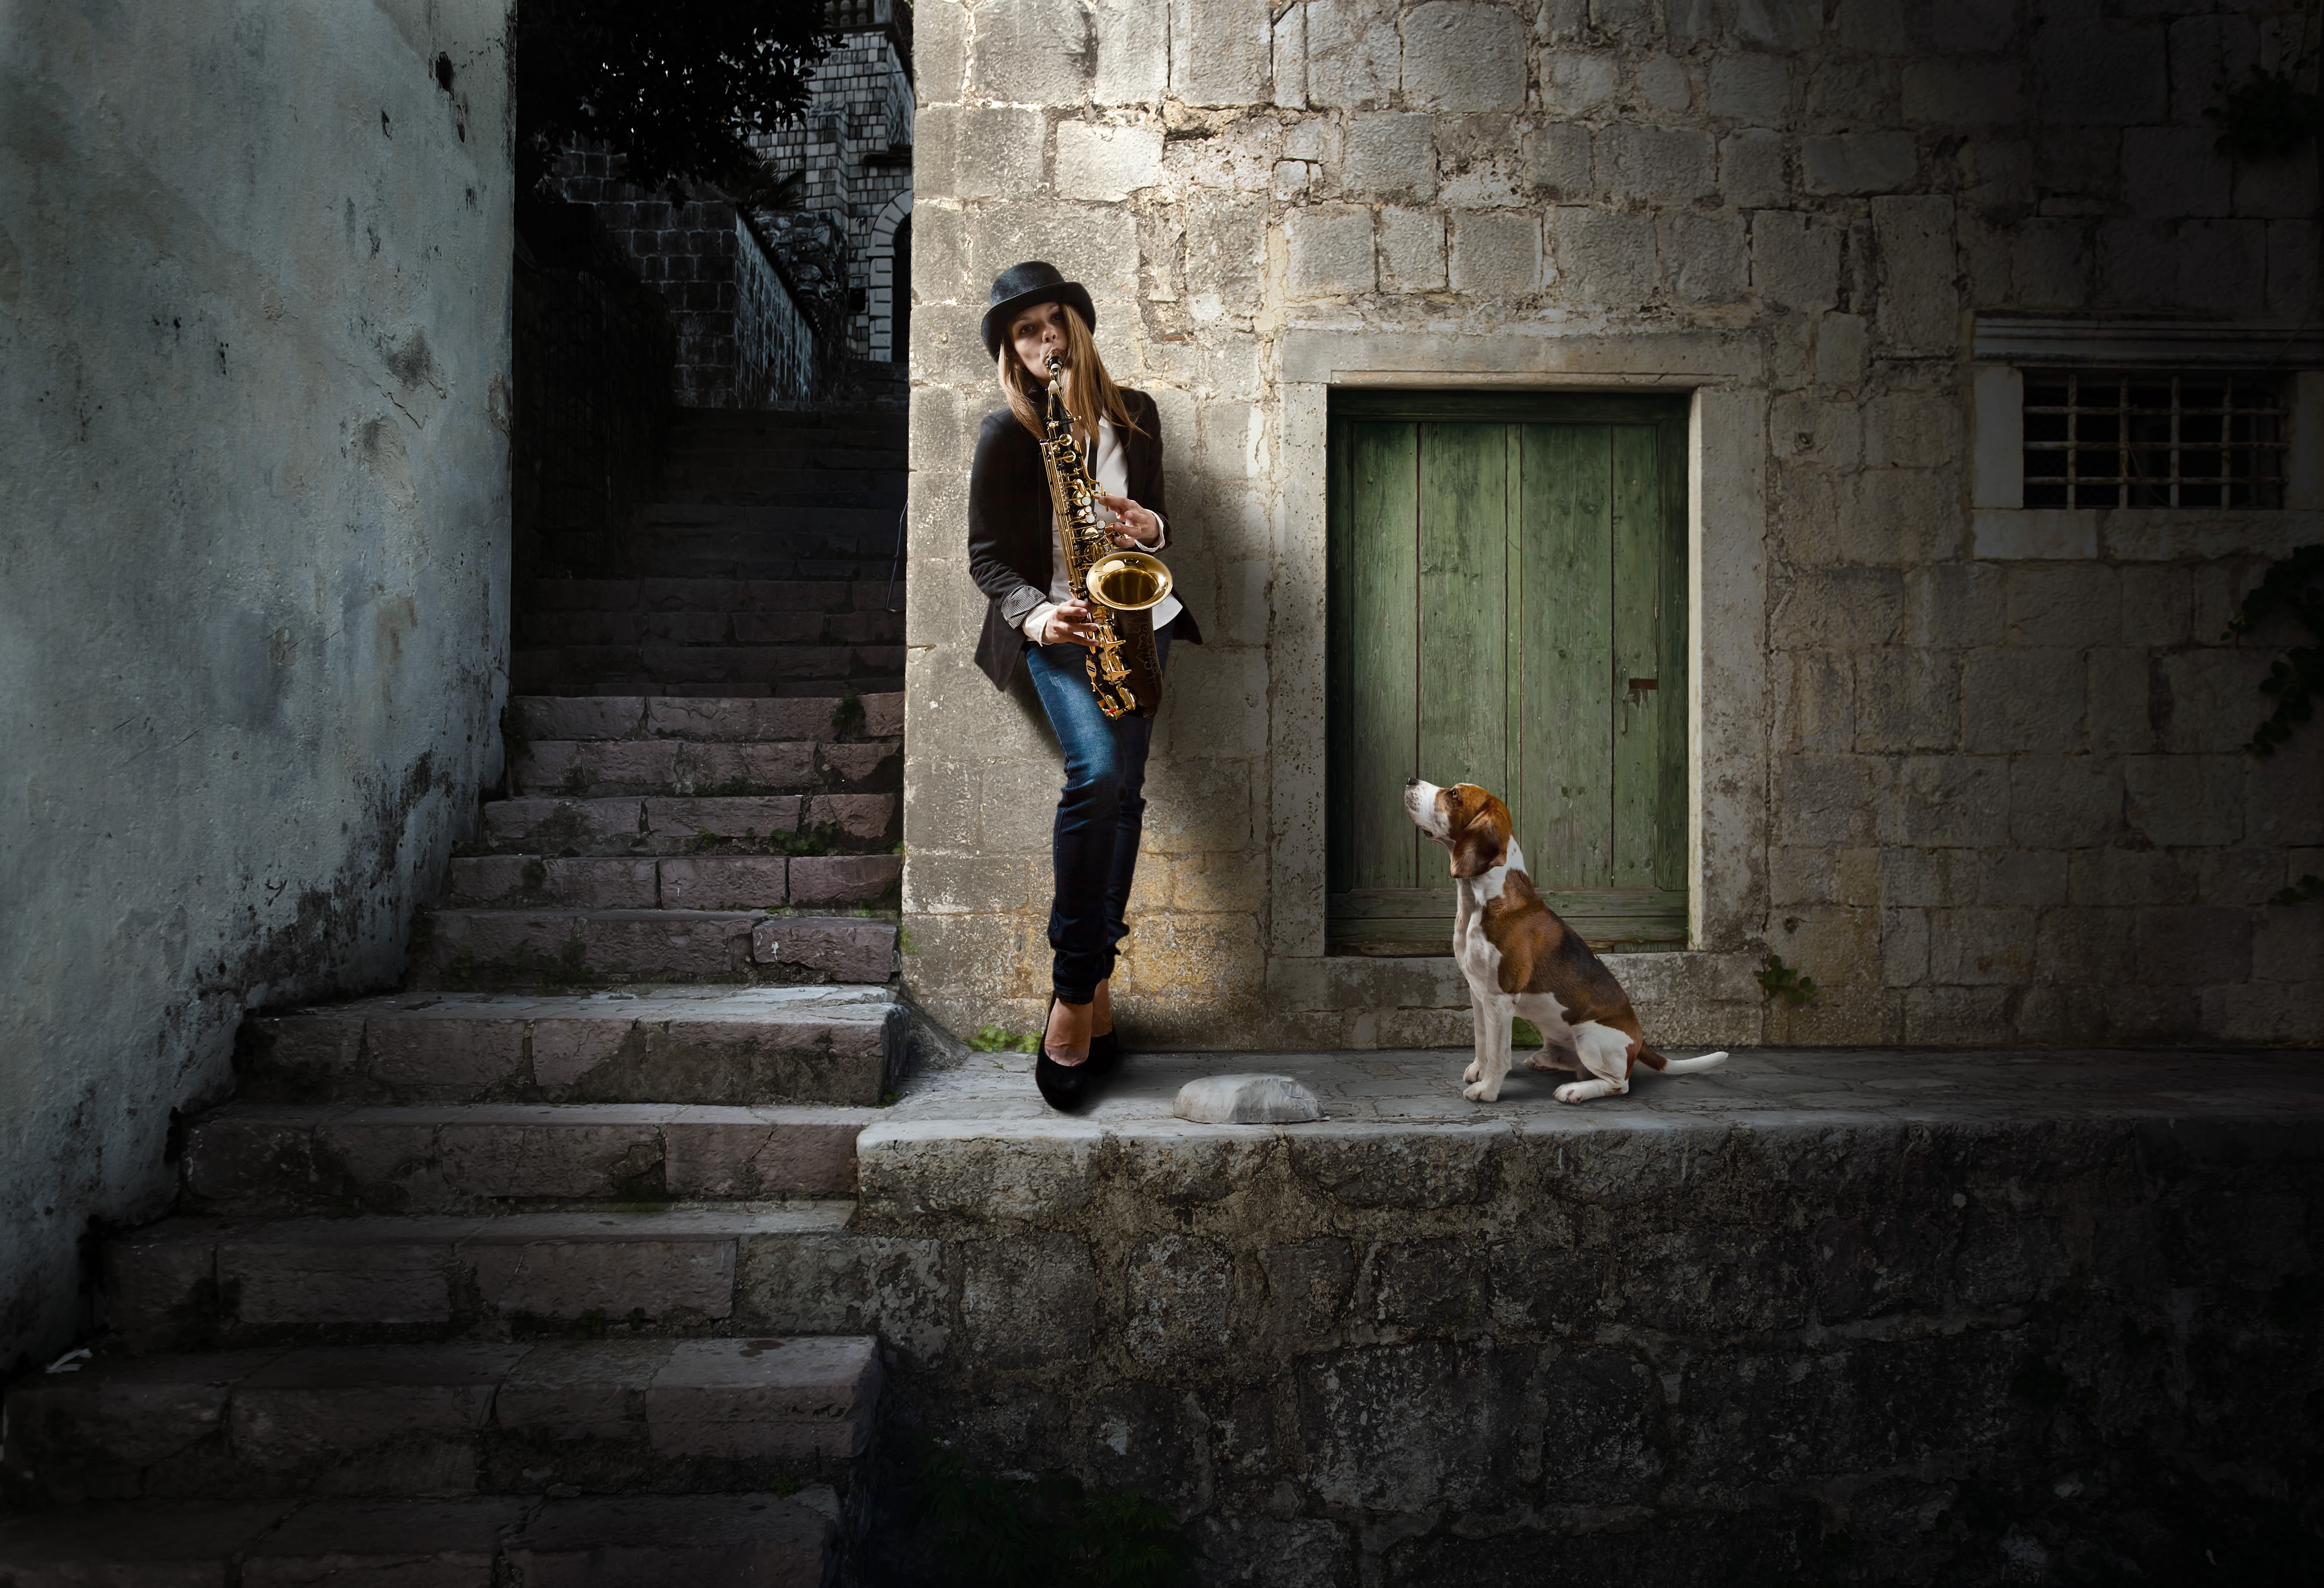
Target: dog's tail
1683 1066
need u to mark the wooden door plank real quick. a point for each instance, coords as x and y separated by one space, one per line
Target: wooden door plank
1339 760
1670 870
1566 699
1635 662
1382 650
1463 607
1394 904
1515 793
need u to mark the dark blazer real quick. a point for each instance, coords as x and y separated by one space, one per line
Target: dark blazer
1012 527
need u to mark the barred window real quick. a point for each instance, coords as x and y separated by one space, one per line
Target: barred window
2150 440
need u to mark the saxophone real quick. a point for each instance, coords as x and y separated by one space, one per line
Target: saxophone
1122 587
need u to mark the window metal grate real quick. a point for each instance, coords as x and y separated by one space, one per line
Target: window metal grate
2148 440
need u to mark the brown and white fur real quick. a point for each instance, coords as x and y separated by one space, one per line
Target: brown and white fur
1520 959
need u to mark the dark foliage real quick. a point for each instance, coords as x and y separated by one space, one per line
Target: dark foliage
1779 980
1046 1532
674 88
2308 890
2269 118
2295 588
847 716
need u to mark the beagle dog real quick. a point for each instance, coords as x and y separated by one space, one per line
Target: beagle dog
1519 958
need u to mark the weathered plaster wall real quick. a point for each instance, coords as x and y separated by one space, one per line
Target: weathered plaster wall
1983 787
254 326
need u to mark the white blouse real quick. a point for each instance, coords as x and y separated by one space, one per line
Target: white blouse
1112 471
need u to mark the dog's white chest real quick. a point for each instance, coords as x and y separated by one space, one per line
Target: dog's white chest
1473 951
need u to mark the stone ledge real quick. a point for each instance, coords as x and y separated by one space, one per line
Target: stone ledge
1851 1286
977 1142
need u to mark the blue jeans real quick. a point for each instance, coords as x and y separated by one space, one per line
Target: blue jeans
1100 811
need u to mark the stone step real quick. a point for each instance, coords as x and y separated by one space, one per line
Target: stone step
689 422
780 429
704 595
772 430
795 490
689 824
253 1158
457 1418
872 433
791 518
712 552
707 719
839 453
465 948
664 663
546 629
599 768
630 1542
721 1046
527 672
472 949
705 882
713 1540
866 560
202 1283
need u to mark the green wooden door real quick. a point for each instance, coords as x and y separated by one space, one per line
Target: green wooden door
1507 608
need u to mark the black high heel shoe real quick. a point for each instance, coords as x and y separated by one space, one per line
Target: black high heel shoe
1105 1053
1063 1086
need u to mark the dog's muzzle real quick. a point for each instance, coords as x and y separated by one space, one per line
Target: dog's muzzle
1420 804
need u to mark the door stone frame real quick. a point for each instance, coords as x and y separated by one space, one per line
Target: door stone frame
1727 710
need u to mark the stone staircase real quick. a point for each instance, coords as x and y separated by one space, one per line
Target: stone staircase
539 1270
767 568
535 1272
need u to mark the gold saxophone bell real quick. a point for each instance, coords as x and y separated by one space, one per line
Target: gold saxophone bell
1129 581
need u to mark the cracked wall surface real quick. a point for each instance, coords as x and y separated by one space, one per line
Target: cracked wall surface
253 321
1980 775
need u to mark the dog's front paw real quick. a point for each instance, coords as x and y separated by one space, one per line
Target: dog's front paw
1473 1071
1482 1091
1577 1091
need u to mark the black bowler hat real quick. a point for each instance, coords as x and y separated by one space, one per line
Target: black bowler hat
1020 287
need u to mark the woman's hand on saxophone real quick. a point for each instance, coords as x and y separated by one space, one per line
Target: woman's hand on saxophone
1137 528
1070 624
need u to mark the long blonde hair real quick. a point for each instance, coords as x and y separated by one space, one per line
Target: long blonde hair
1089 389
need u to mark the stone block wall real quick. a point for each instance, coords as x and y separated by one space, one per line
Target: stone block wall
742 337
852 154
1976 769
775 351
1773 1349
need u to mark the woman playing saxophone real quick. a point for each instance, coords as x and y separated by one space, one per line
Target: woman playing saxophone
1020 561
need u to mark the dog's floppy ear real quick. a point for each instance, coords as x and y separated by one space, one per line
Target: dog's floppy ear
1479 846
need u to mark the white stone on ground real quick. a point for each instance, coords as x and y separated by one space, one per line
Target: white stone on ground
1246 1099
